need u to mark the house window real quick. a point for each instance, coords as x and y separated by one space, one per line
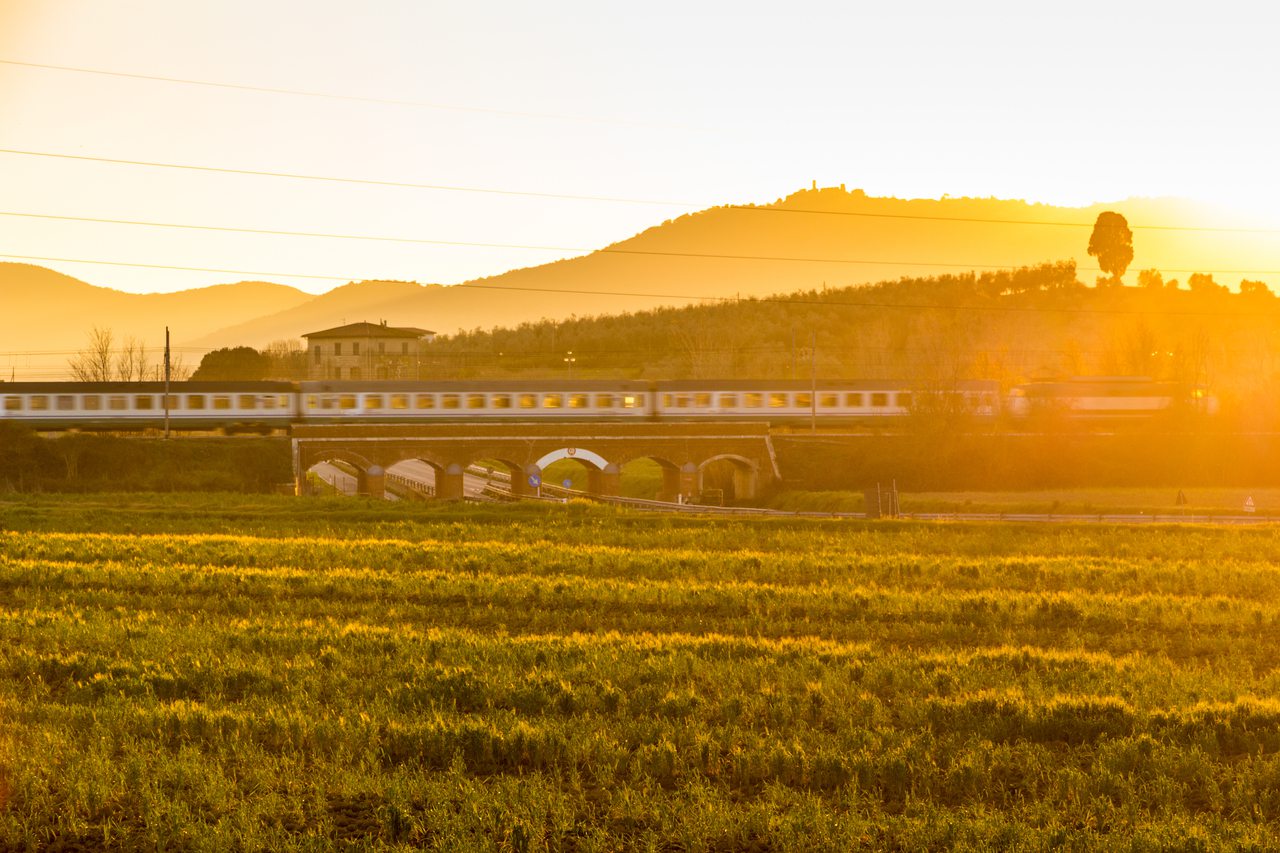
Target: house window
337 348
317 352
404 348
355 348
354 373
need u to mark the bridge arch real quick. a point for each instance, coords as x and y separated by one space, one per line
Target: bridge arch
743 482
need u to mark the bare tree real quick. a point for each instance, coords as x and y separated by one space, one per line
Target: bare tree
132 363
93 364
288 359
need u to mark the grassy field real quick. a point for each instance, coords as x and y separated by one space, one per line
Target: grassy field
219 672
1207 500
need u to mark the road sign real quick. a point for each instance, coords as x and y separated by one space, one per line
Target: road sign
1248 505
535 480
567 483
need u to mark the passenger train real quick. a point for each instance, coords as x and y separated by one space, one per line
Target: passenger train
266 406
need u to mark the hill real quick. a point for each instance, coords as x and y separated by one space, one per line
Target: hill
50 314
814 238
810 240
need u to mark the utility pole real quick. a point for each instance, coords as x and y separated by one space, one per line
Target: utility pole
813 381
166 383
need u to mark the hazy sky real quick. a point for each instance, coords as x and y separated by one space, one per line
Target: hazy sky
692 103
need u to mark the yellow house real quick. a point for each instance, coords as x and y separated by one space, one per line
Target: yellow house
366 351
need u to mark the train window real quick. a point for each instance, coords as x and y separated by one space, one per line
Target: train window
267 401
829 401
528 401
702 400
172 401
501 401
754 399
853 400
248 401
66 402
91 402
604 401
804 399
476 401
39 402
13 404
144 401
399 401
579 401
777 400
450 401
904 399
346 401
373 401
552 401
424 401
879 400
118 403
632 401
221 402
667 401
313 402
682 401
728 401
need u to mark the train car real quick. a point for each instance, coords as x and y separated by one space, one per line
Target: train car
474 400
141 405
1107 397
779 401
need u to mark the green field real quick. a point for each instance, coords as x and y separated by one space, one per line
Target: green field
219 672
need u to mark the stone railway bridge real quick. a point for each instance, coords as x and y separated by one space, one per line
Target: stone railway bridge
683 450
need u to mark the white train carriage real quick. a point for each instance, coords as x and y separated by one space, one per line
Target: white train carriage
141 405
389 402
831 401
1103 397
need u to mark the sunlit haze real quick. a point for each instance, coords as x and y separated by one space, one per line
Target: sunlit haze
683 107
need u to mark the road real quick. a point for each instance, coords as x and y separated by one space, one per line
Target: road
473 485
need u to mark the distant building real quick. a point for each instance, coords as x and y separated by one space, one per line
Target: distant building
366 351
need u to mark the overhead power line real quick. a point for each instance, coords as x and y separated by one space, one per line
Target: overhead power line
340 180
334 96
614 199
548 248
699 297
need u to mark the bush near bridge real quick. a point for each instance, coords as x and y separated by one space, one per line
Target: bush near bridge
83 462
194 672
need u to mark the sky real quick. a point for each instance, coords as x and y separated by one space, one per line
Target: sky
652 110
